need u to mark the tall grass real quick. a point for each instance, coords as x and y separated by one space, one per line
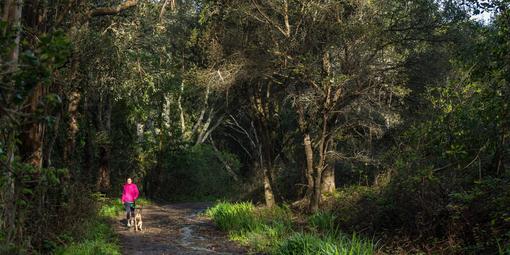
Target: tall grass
271 231
329 244
252 227
238 216
323 221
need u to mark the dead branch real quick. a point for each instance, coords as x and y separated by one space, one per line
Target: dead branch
103 11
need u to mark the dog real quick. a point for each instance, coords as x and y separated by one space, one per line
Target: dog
138 223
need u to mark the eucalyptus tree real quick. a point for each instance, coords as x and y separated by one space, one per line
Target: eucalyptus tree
335 60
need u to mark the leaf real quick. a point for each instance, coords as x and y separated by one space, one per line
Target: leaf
27 191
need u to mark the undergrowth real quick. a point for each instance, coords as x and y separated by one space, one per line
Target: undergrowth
95 236
273 231
98 238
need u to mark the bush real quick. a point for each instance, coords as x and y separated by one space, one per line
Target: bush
193 173
95 235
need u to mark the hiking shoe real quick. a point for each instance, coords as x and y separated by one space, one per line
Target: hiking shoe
129 223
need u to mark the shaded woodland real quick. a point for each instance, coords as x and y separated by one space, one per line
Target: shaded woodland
393 115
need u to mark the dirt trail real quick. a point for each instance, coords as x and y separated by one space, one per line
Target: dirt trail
175 229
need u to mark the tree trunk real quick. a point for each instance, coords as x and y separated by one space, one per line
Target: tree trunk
155 175
229 169
309 164
88 151
51 143
328 179
32 135
9 213
12 17
31 147
165 115
268 190
72 130
181 110
316 196
103 182
307 142
328 175
322 165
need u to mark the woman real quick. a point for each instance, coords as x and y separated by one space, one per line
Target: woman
129 196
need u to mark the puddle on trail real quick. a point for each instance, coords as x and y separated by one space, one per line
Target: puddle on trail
191 240
177 229
186 235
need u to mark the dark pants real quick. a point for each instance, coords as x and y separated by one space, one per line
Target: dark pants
130 209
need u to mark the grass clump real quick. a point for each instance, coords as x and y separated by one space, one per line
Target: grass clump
270 231
322 221
256 228
237 216
312 243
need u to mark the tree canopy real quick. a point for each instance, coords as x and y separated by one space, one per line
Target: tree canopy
375 110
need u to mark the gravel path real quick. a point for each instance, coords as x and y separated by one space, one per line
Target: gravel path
175 229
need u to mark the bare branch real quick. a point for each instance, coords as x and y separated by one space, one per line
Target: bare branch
267 19
172 7
103 11
225 163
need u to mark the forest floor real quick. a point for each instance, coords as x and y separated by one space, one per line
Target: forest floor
175 229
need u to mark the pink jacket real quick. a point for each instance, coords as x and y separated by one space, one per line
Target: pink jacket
130 193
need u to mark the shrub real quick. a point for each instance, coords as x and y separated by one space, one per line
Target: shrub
95 235
193 173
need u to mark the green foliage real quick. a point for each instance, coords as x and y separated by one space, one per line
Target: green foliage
448 180
306 243
92 247
262 238
260 229
196 173
323 221
270 230
95 234
300 243
152 86
111 208
237 216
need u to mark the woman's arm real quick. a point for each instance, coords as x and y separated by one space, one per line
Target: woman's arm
122 197
136 192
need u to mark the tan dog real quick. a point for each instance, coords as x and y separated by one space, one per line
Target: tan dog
138 223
